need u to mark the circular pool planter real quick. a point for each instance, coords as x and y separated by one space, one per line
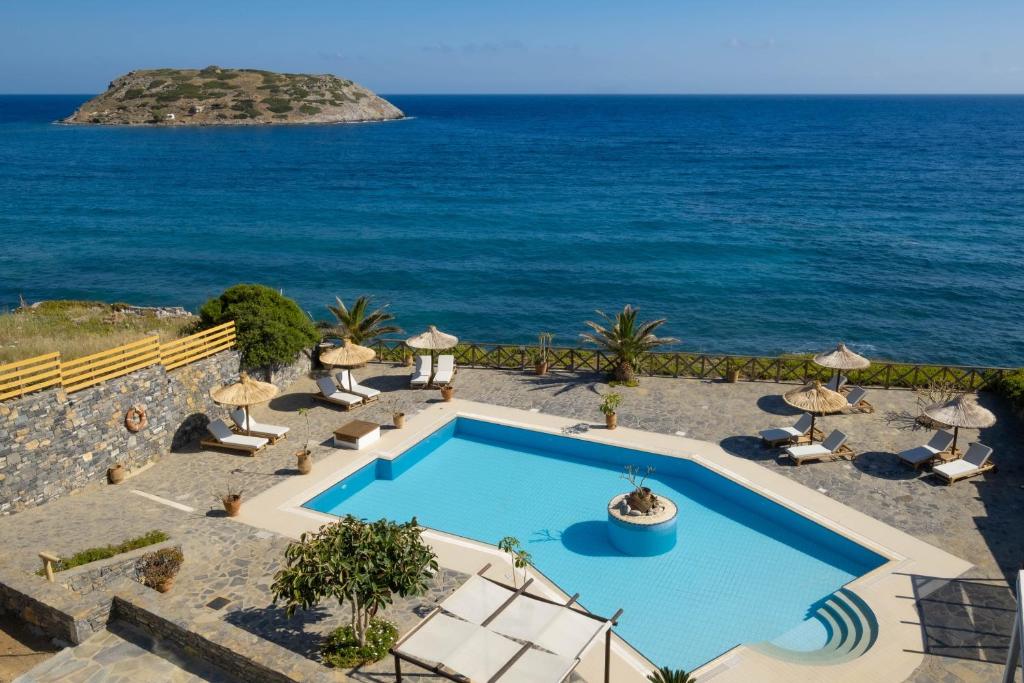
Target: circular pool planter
642 535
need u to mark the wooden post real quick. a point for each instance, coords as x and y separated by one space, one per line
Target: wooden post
49 559
398 669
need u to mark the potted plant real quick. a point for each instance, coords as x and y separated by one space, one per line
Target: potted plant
407 359
397 415
540 358
669 675
608 405
732 375
232 501
627 340
115 474
641 498
447 392
160 568
304 457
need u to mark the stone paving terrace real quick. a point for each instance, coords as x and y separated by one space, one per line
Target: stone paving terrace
965 624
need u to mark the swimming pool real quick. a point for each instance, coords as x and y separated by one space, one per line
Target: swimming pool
744 570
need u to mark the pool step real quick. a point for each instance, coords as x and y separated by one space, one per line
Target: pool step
850 626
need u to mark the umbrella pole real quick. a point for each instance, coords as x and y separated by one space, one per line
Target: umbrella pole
248 427
956 434
812 427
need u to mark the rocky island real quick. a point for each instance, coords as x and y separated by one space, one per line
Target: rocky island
216 96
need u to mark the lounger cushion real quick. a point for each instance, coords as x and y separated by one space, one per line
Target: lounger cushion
243 440
780 433
238 417
807 451
954 469
918 455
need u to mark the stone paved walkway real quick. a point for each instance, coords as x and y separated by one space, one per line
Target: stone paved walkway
965 624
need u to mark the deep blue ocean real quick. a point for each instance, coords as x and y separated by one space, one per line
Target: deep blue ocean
754 224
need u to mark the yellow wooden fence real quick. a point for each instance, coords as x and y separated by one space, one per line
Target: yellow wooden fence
33 374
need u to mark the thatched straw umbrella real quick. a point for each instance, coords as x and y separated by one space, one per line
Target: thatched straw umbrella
841 358
245 392
347 355
815 399
433 339
961 411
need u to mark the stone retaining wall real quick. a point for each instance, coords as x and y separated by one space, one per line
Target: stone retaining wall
102 573
52 443
245 655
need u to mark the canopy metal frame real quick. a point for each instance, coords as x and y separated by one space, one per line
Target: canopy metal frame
517 593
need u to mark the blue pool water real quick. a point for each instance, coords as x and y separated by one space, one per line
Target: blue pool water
496 217
744 569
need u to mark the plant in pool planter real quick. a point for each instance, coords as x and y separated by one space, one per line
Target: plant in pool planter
626 339
640 498
304 457
397 414
669 675
232 501
364 564
609 404
520 558
159 568
540 357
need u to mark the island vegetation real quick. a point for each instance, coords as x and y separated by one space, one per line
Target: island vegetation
217 96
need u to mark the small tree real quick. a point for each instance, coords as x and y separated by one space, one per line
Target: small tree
359 323
626 339
362 563
271 329
669 675
520 558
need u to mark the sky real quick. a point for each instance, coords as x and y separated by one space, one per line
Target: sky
528 46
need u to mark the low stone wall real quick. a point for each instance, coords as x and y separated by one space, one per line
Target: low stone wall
101 574
245 655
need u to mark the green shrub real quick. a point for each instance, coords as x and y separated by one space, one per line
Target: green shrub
1012 388
134 93
107 551
271 329
278 105
161 566
309 109
342 649
156 83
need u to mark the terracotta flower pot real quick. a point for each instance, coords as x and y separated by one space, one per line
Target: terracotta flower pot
304 461
611 420
541 368
407 360
732 376
447 393
399 420
164 585
115 474
232 504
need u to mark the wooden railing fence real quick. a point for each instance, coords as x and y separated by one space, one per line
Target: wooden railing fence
710 366
34 374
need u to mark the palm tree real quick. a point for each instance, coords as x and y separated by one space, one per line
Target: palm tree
360 324
668 675
626 339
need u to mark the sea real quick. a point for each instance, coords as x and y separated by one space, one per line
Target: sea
753 225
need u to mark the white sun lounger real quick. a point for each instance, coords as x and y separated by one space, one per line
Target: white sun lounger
975 461
421 374
836 383
223 437
445 370
834 446
785 435
856 399
348 382
922 455
254 428
329 393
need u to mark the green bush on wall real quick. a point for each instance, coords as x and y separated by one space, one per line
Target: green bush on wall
271 329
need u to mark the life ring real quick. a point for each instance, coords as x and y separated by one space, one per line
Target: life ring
135 419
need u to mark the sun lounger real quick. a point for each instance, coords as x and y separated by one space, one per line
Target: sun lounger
348 382
922 455
254 428
223 437
832 448
778 436
975 461
445 370
421 373
856 399
837 383
329 393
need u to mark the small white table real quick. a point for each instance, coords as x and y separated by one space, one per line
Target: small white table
356 434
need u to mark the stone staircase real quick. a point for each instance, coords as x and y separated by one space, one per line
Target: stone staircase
843 621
